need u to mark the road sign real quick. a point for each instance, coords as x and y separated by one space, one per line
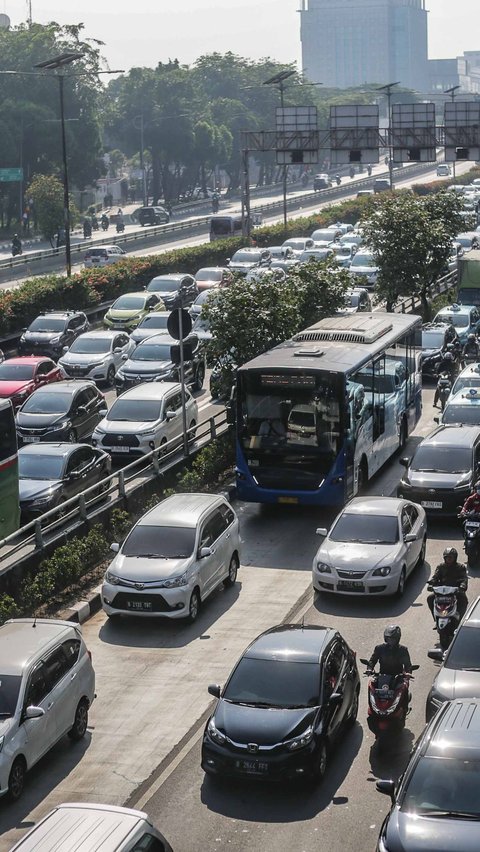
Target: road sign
173 324
7 175
413 134
462 133
354 133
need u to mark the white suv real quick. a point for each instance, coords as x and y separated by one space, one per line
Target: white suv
103 256
145 418
47 685
97 355
173 558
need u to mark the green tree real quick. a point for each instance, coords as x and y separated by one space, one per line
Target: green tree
320 290
411 239
46 191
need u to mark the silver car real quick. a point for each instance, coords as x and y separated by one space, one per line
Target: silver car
173 558
97 355
154 323
372 547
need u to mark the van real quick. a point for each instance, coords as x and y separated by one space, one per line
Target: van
153 216
85 827
321 181
381 185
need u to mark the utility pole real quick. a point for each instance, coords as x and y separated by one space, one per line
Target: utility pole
452 93
388 91
279 81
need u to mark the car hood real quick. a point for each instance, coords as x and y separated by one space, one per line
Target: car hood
426 834
91 358
364 270
454 683
125 427
39 421
421 479
243 264
11 388
143 570
117 314
142 333
264 726
30 489
6 725
41 335
353 557
141 367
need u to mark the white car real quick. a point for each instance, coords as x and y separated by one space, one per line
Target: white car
145 418
103 256
97 355
462 407
468 378
371 548
299 244
47 684
173 558
363 267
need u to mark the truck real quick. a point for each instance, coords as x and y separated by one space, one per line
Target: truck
469 278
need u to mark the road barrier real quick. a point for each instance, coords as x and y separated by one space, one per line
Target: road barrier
442 285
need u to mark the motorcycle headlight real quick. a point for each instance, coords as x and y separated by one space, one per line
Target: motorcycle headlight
384 571
214 733
323 568
112 578
176 582
301 741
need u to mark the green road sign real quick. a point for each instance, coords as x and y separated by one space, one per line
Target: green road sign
7 175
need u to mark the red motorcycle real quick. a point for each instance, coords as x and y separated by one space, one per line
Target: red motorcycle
388 700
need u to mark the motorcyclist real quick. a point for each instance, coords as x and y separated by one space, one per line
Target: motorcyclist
447 365
472 503
450 572
392 657
338 180
87 229
16 244
105 221
94 222
472 348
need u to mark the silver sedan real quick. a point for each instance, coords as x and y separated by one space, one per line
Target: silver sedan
371 548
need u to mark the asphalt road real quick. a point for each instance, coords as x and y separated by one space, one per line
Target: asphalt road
142 746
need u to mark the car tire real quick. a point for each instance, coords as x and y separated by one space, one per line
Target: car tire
231 577
193 606
401 583
72 436
16 779
352 716
111 376
320 767
80 722
199 377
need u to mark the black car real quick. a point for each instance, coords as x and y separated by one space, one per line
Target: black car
51 331
153 216
435 338
154 360
443 470
177 290
435 804
292 693
64 411
49 474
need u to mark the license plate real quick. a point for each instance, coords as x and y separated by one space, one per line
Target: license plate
473 523
350 584
141 605
30 439
119 449
254 767
288 499
432 504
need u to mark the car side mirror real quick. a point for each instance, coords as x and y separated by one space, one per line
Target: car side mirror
205 551
405 462
321 531
115 547
410 537
125 357
214 689
169 415
117 350
387 787
336 698
103 412
436 654
65 349
34 712
81 409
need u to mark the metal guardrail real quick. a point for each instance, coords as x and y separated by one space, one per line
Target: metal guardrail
63 519
442 285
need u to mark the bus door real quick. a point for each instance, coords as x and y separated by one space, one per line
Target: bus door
354 430
381 450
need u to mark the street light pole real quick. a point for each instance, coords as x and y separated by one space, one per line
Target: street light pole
452 93
388 90
66 200
279 80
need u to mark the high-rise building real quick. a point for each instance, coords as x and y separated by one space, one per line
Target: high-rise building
351 42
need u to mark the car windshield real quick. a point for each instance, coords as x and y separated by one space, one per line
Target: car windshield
16 372
39 466
315 254
327 235
159 541
365 529
154 321
361 259
458 320
41 402
9 691
163 285
297 245
47 324
246 257
443 786
274 683
129 303
467 414
91 345
466 242
135 410
433 339
153 352
464 382
431 459
464 651
209 275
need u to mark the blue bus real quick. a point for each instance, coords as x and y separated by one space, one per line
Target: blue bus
320 414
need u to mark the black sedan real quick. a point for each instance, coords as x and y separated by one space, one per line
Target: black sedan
294 690
65 411
49 474
435 338
177 290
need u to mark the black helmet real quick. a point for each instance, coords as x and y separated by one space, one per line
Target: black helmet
450 347
392 634
450 551
471 338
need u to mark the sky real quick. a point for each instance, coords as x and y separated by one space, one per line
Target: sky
144 32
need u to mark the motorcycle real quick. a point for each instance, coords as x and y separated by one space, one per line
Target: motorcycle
120 227
444 386
470 357
471 535
445 613
338 180
94 223
388 704
16 249
105 223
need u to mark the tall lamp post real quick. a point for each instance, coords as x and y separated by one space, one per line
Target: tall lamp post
452 92
278 80
388 90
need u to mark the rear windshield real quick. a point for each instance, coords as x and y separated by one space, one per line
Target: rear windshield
465 650
468 414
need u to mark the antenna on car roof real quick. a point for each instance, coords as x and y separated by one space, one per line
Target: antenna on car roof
34 620
303 621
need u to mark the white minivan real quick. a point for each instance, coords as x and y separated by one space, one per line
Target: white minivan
145 418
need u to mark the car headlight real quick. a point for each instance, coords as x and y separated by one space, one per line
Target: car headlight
41 501
112 579
176 582
22 338
214 733
119 375
323 568
384 571
96 364
65 424
301 741
55 341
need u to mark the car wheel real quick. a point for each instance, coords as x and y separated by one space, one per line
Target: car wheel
352 716
421 558
72 436
111 376
16 779
401 583
193 606
163 447
199 377
231 577
79 727
320 766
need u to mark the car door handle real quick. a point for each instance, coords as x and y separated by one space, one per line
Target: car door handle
227 535
73 676
49 706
